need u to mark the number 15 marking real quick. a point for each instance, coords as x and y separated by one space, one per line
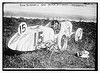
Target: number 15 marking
22 28
38 38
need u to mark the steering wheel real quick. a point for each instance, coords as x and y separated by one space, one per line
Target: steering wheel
56 26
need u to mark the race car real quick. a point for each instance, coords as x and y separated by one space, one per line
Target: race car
28 38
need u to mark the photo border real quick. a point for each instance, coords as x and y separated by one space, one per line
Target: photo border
70 69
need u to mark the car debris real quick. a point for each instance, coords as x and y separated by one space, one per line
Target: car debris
83 54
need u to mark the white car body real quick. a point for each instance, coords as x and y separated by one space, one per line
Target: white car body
28 38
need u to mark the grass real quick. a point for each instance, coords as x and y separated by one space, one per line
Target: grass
61 59
41 59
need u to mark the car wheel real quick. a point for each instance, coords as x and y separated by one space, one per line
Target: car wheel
78 34
62 42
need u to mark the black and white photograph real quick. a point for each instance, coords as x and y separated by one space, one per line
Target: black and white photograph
50 36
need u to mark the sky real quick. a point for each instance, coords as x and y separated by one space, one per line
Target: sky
71 11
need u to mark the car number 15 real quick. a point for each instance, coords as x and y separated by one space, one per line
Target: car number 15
38 38
22 28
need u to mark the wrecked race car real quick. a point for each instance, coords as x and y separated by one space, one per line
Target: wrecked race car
29 38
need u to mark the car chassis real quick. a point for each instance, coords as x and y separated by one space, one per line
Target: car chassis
54 34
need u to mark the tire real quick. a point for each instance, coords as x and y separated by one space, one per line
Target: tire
62 42
78 34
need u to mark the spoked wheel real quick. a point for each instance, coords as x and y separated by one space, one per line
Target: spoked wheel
62 42
78 34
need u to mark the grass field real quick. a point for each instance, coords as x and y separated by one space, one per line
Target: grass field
41 58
